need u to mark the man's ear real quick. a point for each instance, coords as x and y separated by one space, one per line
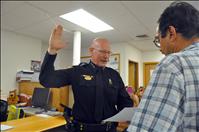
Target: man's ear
90 51
172 33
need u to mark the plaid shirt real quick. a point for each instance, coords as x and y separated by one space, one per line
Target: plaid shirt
171 100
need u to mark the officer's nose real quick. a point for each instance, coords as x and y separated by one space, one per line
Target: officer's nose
106 56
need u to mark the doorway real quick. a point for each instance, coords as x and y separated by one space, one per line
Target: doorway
133 74
148 70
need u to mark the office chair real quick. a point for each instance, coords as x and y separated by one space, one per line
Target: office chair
3 110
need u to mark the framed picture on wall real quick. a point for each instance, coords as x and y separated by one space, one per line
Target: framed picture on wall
35 65
114 61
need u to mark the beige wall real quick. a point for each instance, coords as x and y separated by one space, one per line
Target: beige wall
17 51
152 56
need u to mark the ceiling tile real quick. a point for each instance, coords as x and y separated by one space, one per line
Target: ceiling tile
24 16
144 45
146 12
55 8
10 6
43 31
118 17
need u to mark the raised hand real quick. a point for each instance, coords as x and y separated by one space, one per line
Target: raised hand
55 42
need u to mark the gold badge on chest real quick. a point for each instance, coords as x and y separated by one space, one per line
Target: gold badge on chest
88 77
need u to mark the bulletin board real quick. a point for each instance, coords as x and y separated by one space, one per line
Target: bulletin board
114 61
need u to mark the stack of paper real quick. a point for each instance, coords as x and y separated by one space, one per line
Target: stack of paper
24 75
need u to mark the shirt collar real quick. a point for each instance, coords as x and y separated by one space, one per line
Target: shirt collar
192 46
94 66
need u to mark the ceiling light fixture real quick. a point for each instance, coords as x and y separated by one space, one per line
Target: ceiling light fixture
86 20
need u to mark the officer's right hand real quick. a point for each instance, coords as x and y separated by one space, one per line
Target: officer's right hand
55 42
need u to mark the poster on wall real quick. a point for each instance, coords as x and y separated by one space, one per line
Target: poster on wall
35 65
114 61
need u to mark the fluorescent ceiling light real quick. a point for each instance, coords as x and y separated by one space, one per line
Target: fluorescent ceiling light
86 20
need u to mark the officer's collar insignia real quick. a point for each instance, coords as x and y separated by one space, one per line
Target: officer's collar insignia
110 81
92 64
87 77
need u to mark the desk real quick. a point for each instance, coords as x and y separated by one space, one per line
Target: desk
35 123
58 95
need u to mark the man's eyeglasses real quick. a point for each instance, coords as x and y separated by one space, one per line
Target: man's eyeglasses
103 51
156 41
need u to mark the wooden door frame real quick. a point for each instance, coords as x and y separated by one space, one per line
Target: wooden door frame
136 73
144 74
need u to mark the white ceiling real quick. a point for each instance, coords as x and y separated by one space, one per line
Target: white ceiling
129 18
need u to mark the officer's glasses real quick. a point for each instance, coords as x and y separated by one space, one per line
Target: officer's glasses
103 51
156 41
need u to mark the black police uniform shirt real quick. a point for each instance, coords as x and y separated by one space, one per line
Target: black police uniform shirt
82 79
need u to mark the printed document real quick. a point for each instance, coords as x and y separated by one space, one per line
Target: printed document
125 114
5 127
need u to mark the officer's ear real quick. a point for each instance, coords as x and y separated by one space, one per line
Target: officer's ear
91 50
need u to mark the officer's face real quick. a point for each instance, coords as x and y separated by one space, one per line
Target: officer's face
100 53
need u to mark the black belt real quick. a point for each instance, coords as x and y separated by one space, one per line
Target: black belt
95 127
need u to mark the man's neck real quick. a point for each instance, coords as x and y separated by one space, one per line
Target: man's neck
95 65
183 43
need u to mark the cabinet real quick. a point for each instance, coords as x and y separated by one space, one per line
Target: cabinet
58 95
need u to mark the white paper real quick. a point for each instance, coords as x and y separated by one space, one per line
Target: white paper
43 115
125 114
5 127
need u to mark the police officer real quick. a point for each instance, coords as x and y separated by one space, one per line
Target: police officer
99 91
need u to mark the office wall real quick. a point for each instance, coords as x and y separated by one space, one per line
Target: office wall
133 54
17 51
63 59
152 56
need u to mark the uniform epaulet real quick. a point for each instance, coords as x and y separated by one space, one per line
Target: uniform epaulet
83 63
